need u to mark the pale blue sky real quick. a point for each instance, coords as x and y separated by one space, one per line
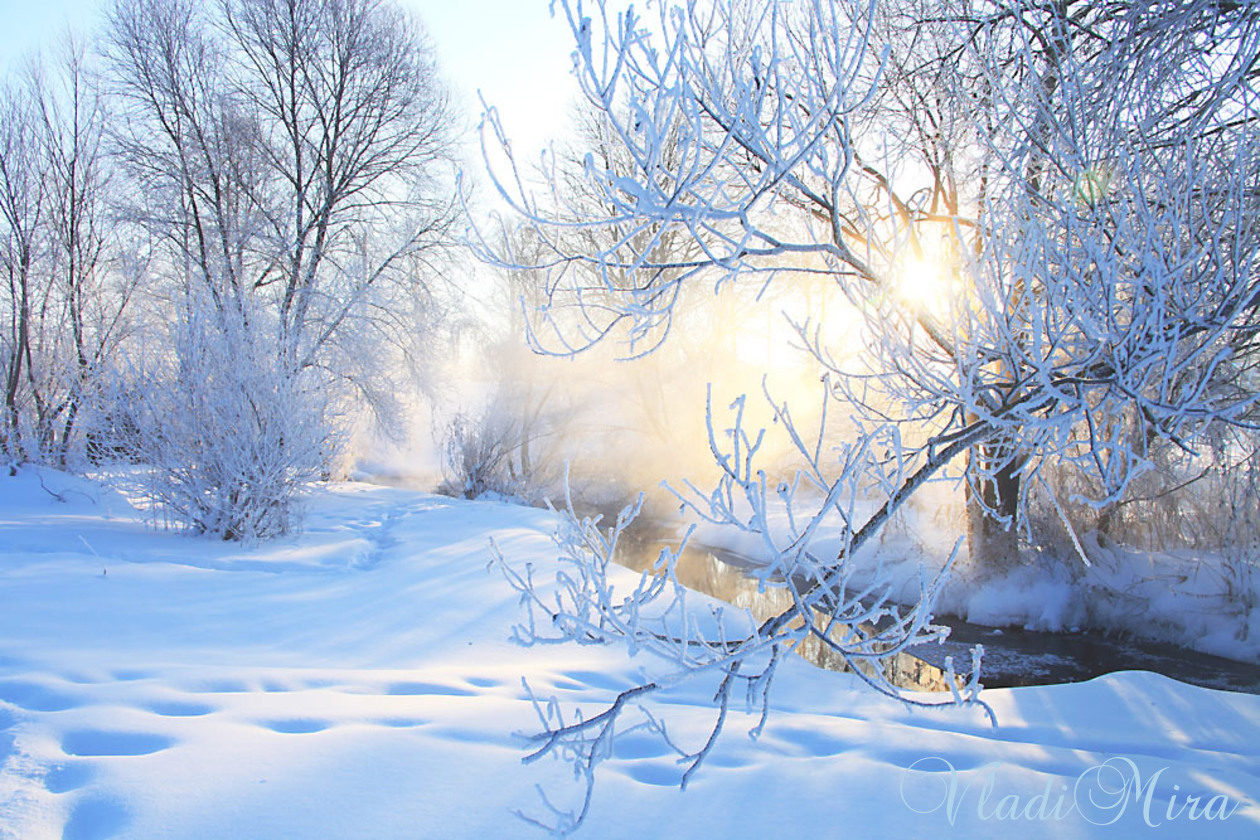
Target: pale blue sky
512 50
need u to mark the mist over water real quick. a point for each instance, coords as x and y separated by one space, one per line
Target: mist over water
624 425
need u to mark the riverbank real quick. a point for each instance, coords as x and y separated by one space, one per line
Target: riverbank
358 681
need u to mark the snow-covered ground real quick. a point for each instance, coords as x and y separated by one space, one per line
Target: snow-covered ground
357 682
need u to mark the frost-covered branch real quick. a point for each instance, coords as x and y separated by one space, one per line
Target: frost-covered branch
848 608
1042 218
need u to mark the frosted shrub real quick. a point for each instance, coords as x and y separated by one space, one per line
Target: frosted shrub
500 451
477 458
231 438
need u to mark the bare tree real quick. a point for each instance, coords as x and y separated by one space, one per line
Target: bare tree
22 205
355 134
299 149
293 157
185 144
1083 179
68 307
94 299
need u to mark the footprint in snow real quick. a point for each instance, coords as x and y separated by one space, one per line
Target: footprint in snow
222 687
309 685
95 818
179 708
640 745
419 688
401 723
68 777
296 726
35 698
811 741
131 675
655 773
98 743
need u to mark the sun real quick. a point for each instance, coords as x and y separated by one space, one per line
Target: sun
926 281
919 280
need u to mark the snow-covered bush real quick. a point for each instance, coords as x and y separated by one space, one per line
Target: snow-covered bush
1206 498
1198 511
229 438
490 454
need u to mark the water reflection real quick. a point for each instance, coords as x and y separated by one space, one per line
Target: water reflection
1013 657
702 570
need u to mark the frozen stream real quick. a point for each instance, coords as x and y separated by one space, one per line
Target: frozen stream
1012 656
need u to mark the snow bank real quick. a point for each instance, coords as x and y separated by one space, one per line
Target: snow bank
1203 602
356 681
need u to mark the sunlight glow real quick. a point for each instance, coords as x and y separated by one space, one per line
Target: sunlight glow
927 280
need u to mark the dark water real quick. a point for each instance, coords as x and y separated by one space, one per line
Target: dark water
1015 657
1012 657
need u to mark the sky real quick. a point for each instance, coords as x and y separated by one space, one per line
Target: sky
512 51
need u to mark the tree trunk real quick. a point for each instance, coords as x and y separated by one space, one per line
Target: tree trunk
992 509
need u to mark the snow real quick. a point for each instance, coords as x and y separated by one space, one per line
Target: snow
357 681
1202 601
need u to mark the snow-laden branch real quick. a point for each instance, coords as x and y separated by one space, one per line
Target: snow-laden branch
847 608
1043 216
